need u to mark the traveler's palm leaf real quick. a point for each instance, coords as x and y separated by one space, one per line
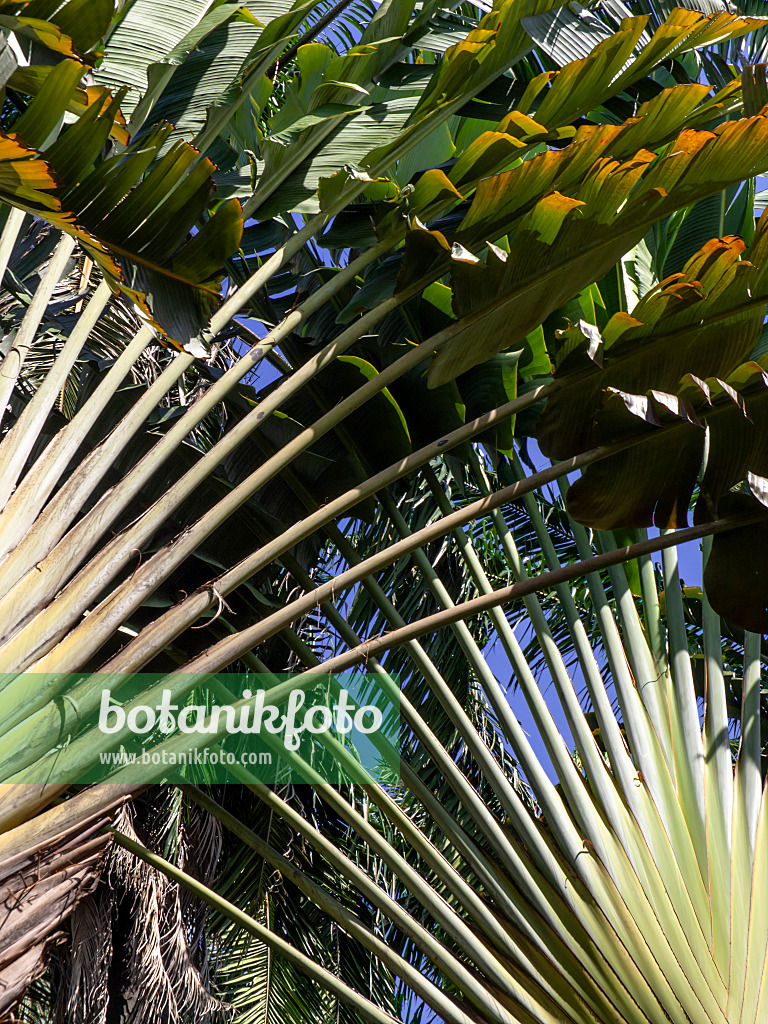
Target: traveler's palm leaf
630 891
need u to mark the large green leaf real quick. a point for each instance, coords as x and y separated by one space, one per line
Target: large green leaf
352 136
488 386
107 203
704 321
652 482
310 137
26 178
84 21
209 77
146 34
565 36
730 213
564 243
580 85
736 572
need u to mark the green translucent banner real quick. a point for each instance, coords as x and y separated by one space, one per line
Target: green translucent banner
228 728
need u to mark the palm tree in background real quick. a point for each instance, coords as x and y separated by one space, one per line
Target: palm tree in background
445 232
